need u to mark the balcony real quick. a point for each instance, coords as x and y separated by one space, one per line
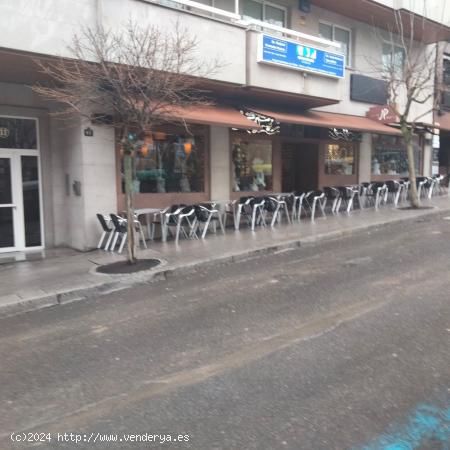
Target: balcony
225 35
238 41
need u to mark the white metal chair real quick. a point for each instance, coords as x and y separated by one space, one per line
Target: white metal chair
158 220
298 205
207 215
239 209
334 195
255 210
280 208
314 198
183 220
105 223
121 230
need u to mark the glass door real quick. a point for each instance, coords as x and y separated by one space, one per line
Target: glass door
20 202
20 194
8 208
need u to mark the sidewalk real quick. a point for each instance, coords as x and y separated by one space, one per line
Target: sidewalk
66 275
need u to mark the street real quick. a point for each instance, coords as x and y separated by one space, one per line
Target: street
338 345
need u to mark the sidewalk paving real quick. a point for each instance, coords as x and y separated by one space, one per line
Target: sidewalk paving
65 275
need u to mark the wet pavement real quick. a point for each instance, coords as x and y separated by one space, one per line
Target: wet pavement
342 344
66 275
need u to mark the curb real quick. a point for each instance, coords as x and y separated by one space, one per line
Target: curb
162 272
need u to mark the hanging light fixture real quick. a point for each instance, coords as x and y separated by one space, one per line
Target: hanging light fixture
144 151
187 148
148 140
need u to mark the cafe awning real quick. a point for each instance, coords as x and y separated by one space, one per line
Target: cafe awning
329 120
215 115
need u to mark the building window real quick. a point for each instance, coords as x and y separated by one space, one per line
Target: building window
337 34
393 58
18 133
389 155
170 162
226 5
340 159
252 164
446 69
264 11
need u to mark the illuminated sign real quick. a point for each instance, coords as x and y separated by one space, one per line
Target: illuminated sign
293 55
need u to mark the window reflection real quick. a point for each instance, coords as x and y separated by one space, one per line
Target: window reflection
18 133
389 155
170 163
252 164
340 159
31 202
264 11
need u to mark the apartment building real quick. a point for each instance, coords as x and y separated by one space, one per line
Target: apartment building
304 69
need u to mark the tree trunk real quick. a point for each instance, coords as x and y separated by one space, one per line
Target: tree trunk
413 197
128 173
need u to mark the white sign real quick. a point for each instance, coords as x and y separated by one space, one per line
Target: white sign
436 141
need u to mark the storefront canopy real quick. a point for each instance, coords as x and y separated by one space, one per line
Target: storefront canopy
215 115
329 120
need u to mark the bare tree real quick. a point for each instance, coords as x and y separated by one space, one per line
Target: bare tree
136 79
409 69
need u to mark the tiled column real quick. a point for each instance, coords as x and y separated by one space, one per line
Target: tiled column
220 163
427 154
365 157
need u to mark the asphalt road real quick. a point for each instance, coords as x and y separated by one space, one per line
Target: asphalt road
339 345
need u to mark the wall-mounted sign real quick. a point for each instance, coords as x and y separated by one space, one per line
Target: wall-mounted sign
4 133
436 140
343 134
368 90
383 114
268 124
291 54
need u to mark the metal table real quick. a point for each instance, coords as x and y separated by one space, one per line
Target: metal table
147 212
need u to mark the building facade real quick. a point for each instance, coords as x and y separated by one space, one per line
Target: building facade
306 68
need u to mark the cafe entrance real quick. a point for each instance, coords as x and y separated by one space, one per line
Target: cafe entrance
21 225
300 162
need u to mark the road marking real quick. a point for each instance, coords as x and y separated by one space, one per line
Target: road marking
284 250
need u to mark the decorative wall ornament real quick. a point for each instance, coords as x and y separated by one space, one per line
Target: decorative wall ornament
268 124
343 134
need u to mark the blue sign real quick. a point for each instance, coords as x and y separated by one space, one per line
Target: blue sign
301 57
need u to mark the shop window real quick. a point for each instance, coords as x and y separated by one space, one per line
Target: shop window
389 155
170 163
252 164
337 34
340 159
264 11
